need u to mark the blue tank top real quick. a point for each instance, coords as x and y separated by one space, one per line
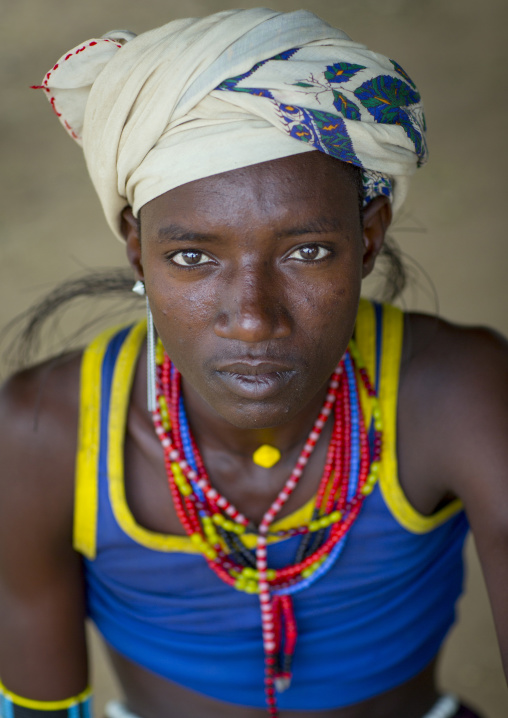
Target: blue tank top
375 620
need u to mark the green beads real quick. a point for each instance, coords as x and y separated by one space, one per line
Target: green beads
372 478
227 525
314 567
180 480
163 410
246 586
248 579
359 363
254 574
324 521
376 415
159 353
203 546
210 532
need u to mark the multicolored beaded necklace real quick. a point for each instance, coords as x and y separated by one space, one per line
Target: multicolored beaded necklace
215 526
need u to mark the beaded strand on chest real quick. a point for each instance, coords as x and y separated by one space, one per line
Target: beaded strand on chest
215 526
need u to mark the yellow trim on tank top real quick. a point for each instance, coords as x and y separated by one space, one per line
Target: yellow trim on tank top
44 705
392 336
86 486
365 338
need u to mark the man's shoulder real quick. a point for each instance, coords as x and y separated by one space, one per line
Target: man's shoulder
39 413
454 398
466 359
37 401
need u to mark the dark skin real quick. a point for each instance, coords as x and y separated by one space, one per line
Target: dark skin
256 324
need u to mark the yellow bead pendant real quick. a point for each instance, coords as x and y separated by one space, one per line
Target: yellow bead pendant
266 456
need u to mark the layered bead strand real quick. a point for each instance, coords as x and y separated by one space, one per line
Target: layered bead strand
215 526
270 624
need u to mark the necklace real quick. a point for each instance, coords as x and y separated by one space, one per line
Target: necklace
215 526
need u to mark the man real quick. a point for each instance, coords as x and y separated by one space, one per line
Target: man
251 252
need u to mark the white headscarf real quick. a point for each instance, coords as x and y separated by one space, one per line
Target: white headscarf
197 97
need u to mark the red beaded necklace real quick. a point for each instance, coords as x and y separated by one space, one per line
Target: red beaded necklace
215 526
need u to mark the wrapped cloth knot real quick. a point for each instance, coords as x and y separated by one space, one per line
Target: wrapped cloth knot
198 97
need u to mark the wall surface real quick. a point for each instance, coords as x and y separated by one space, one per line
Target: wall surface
453 226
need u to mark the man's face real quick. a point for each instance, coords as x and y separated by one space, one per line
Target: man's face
253 278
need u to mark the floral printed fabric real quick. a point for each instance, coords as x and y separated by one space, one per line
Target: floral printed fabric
326 95
202 96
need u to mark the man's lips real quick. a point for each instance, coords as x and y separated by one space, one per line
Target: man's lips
255 379
253 367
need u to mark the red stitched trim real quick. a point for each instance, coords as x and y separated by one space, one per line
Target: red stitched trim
69 129
45 82
52 103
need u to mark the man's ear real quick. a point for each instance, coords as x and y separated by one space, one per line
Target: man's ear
377 216
129 227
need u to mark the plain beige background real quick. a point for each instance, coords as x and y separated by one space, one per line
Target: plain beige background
454 223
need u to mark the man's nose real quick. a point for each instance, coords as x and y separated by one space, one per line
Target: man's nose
252 307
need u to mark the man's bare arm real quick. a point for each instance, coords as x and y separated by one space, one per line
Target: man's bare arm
42 609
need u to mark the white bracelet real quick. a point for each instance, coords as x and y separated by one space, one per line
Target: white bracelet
115 709
445 707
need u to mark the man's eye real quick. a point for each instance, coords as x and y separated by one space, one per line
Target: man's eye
190 258
311 252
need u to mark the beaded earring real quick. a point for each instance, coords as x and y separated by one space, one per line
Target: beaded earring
139 288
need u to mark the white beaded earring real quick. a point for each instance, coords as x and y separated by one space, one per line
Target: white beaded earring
139 288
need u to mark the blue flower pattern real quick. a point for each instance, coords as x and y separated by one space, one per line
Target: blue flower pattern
389 98
326 132
231 84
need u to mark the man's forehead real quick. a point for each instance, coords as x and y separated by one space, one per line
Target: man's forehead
300 180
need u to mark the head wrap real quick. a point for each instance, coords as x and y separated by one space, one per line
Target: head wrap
197 97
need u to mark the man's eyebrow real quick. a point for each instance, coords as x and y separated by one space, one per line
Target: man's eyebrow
321 225
175 232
